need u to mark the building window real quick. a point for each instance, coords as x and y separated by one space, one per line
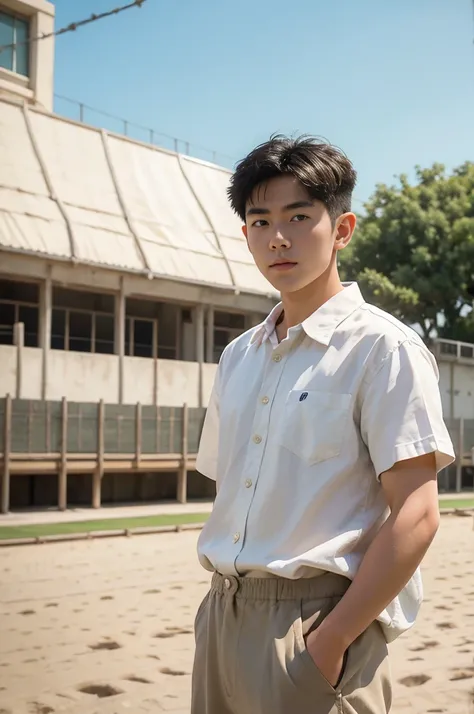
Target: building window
82 321
14 31
152 329
19 302
227 326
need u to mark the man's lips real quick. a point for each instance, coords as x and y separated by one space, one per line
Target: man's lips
286 265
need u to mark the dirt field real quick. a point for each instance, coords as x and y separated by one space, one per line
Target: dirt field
105 626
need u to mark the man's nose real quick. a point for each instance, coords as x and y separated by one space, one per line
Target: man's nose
279 240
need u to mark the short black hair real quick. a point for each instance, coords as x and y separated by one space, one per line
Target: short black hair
323 169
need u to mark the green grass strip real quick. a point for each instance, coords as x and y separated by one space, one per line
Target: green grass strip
456 503
106 524
111 524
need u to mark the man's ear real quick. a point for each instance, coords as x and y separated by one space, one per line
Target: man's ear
345 230
244 231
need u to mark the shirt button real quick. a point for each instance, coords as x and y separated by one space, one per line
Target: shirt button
248 483
257 439
236 537
265 400
227 583
277 358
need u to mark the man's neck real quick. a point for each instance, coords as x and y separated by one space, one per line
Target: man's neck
300 305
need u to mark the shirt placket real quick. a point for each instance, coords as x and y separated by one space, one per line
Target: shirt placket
258 443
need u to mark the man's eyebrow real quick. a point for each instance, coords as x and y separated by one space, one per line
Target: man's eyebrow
256 211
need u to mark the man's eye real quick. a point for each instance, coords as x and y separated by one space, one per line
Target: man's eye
261 222
299 217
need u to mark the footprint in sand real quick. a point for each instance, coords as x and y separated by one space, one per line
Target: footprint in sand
108 645
443 607
140 680
460 674
415 680
100 690
154 657
415 659
107 597
37 708
152 592
172 672
51 604
27 612
446 625
425 646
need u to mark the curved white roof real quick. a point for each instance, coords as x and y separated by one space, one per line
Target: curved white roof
70 191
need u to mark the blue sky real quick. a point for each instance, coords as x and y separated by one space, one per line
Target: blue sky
392 83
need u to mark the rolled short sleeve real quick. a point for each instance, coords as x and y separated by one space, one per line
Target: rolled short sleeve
206 462
401 412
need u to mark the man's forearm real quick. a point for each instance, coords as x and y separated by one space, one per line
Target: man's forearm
387 566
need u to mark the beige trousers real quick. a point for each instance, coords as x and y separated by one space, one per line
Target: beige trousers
251 656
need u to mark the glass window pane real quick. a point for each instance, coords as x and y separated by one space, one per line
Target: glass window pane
104 334
143 338
22 48
58 330
6 38
20 292
29 316
80 331
7 313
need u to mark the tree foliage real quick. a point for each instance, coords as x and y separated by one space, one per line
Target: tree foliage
413 251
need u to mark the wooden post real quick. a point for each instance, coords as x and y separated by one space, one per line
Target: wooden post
120 317
99 471
210 335
138 434
7 436
62 485
19 340
460 456
46 310
200 350
48 427
182 488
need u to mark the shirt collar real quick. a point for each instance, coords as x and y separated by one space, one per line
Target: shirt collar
320 326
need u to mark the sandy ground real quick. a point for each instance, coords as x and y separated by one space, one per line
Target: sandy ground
106 626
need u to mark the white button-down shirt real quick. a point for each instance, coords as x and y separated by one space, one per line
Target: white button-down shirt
297 433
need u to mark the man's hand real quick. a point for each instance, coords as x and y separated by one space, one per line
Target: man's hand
327 654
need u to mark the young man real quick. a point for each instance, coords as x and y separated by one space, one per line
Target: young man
324 434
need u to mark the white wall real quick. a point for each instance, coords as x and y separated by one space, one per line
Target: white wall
464 391
445 387
31 373
178 383
82 377
208 377
138 380
7 370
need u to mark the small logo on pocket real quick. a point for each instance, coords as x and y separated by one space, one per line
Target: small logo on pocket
303 396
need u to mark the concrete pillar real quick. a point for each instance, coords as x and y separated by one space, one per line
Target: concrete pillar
460 455
200 349
62 482
210 334
46 310
182 486
7 437
19 340
120 337
99 471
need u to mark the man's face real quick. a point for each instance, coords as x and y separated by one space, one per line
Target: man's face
291 237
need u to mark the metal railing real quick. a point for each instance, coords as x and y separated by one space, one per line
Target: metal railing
79 111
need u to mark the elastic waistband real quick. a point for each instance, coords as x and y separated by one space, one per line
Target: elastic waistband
328 585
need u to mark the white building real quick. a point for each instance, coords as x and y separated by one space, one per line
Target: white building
123 275
123 270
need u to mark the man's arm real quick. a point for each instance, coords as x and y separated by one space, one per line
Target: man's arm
398 548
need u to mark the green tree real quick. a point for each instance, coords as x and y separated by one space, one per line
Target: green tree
413 251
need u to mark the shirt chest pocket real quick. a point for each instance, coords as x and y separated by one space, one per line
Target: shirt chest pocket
315 424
